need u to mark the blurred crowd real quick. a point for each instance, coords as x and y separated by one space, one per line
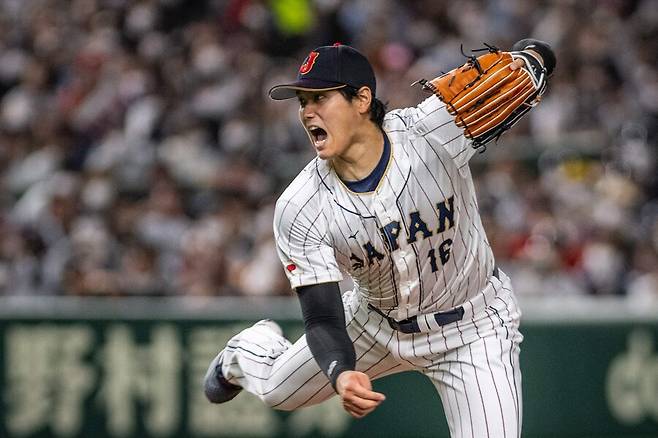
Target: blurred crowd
139 154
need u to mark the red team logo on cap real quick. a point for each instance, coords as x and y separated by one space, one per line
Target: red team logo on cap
308 63
291 267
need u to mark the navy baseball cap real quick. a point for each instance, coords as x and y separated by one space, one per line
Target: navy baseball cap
329 68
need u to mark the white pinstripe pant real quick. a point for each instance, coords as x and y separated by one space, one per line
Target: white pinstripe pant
473 364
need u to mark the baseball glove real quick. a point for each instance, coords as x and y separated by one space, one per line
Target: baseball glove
490 93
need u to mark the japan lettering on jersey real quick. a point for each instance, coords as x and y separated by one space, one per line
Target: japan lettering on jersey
415 244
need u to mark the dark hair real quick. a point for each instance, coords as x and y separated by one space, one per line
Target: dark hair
377 107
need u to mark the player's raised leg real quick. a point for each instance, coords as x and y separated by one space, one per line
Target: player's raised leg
285 376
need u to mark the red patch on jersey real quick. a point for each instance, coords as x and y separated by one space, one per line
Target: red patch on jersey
291 267
308 63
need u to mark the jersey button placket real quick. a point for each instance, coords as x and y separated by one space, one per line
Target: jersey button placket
403 262
401 258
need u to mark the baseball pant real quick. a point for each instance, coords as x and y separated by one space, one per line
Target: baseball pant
472 363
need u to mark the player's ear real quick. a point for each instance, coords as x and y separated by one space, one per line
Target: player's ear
363 99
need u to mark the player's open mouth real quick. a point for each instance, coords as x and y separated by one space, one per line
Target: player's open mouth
318 135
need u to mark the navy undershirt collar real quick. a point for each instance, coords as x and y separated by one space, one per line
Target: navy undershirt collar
370 182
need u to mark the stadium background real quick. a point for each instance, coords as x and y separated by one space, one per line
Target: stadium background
139 164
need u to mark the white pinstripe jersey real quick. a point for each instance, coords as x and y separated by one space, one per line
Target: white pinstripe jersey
415 244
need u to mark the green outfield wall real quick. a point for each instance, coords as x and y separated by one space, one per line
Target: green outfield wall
133 368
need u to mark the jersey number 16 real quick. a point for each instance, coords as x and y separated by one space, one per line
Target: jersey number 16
444 254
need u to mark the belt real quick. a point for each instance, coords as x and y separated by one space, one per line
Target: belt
410 325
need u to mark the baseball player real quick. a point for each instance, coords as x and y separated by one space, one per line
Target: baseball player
389 200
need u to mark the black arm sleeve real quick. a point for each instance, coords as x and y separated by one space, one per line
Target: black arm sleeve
324 325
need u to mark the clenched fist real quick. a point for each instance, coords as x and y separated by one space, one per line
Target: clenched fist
355 390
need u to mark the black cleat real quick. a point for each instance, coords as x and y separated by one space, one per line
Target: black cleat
215 386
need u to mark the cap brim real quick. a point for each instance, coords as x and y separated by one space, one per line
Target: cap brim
288 91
